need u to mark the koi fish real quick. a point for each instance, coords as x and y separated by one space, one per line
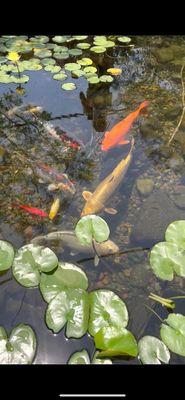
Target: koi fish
32 210
65 185
54 208
95 202
68 239
116 136
33 110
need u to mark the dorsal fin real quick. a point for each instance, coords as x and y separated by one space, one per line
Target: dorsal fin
86 195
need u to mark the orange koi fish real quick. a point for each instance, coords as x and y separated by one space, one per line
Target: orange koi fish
116 136
32 210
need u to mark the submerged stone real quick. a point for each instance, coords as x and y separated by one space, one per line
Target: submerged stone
145 186
163 55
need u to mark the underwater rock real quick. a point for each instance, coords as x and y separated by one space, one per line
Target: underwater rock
11 234
2 155
156 213
140 276
149 130
164 54
144 186
176 163
178 197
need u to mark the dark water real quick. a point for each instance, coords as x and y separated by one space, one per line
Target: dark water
150 71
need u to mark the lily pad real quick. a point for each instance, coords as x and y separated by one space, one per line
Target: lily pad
77 73
92 227
106 78
69 86
85 61
75 52
83 46
80 357
175 233
53 68
3 60
93 80
61 56
90 69
78 37
106 309
60 77
97 360
29 261
20 348
173 334
98 49
42 39
72 66
21 79
5 78
153 351
165 259
104 42
41 53
115 342
48 61
66 276
72 307
6 255
59 39
124 39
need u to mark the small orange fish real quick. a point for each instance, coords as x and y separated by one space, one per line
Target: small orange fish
116 136
32 210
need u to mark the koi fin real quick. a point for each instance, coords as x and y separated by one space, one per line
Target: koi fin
123 141
96 260
110 210
86 195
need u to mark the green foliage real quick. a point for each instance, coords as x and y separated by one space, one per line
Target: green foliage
173 333
68 86
153 351
6 255
92 227
115 341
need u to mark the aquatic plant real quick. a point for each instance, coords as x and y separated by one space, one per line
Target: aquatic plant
6 255
153 351
82 357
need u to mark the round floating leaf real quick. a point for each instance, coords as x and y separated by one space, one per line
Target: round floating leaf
61 56
85 61
72 66
59 39
61 49
106 78
48 61
42 39
30 66
41 53
72 307
80 357
29 261
75 52
78 37
173 334
83 46
93 80
20 348
124 39
100 38
60 77
53 68
175 233
69 86
5 78
106 309
115 341
21 79
91 75
2 59
97 360
66 276
104 43
114 71
98 49
165 258
153 351
91 227
6 255
77 73
90 69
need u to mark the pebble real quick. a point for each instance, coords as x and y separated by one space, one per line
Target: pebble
145 186
28 232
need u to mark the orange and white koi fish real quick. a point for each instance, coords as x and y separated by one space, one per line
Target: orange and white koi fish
116 136
54 208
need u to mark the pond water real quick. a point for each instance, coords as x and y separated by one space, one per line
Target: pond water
151 195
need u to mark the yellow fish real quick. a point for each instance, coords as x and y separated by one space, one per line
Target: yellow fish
54 209
95 202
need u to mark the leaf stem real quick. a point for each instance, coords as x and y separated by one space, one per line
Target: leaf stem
154 313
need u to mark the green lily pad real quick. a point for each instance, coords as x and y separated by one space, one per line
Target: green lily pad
91 75
41 53
93 80
78 37
59 39
104 43
91 227
72 66
80 357
61 56
115 342
20 348
97 360
6 255
173 334
153 351
54 69
29 66
83 46
29 261
85 61
21 79
60 77
66 276
61 49
72 307
5 78
90 69
69 86
75 52
98 49
175 233
42 39
106 78
48 61
3 59
77 73
106 309
124 39
165 259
